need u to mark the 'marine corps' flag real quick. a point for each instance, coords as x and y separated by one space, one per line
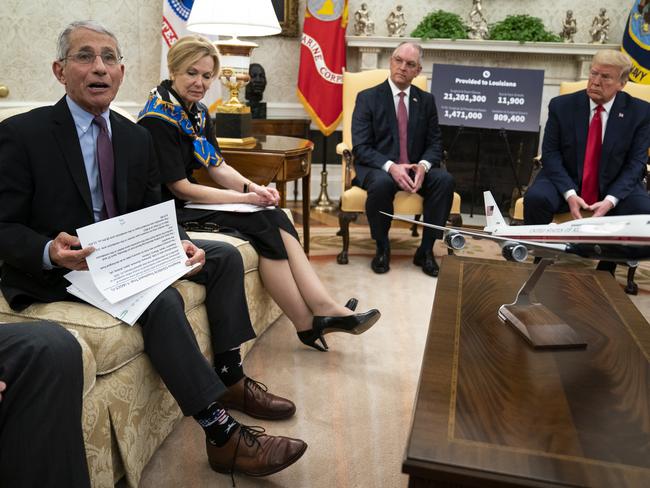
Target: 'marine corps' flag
174 19
322 60
636 41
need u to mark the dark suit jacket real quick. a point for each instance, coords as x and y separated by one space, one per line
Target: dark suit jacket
625 145
44 191
375 137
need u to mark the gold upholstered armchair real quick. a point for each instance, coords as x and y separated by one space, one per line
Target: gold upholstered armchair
353 198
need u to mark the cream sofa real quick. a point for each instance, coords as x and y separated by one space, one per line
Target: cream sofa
127 410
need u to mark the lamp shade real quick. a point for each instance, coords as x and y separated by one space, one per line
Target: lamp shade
238 18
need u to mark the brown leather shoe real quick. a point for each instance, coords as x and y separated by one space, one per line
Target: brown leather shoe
251 452
252 398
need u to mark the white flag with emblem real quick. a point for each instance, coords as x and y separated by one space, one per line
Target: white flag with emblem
174 19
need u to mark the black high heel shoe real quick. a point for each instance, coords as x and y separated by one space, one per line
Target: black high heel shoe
352 304
351 324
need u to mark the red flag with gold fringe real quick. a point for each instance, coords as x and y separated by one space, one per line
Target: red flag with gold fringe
322 60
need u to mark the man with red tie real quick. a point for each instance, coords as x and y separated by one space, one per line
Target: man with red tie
397 146
595 149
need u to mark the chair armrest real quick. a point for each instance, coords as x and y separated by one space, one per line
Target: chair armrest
348 164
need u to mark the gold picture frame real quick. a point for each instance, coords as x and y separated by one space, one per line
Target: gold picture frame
287 13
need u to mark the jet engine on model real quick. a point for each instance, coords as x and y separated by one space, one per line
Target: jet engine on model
455 240
514 251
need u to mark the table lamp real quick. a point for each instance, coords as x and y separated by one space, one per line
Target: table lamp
241 18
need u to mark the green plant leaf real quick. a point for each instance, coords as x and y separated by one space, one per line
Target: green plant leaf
441 25
522 28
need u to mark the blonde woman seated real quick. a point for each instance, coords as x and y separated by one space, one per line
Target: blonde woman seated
184 139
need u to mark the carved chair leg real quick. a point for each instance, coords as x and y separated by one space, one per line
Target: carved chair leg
632 288
344 223
414 227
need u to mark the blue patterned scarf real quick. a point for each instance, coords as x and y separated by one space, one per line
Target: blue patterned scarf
173 113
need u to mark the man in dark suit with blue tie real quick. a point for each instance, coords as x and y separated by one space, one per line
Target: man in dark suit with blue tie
397 146
595 149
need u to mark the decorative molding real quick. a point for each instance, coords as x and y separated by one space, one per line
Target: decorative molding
471 45
365 52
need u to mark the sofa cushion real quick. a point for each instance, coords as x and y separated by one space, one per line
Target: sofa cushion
89 365
112 342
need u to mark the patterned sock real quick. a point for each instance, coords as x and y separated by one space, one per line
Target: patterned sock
219 426
228 366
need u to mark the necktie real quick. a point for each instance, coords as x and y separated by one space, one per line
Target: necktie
402 125
590 191
106 167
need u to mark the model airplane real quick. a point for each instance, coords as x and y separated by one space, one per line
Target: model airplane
622 239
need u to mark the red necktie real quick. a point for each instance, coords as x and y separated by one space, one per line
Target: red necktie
106 167
590 191
402 125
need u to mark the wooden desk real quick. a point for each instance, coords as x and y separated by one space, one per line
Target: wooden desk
274 159
490 411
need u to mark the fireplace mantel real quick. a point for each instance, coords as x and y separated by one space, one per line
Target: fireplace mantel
561 61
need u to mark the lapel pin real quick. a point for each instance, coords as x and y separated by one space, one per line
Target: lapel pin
620 115
414 99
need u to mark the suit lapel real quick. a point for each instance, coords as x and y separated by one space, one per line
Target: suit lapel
386 96
581 130
414 109
119 138
66 135
615 125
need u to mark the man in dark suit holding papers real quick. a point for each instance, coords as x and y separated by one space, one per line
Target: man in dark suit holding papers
67 166
397 146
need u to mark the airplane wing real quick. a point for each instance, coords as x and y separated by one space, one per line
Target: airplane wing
484 235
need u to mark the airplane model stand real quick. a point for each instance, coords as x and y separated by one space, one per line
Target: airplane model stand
540 327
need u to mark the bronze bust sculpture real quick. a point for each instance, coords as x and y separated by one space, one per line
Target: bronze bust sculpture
255 90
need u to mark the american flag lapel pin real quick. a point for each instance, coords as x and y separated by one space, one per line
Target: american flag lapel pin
621 115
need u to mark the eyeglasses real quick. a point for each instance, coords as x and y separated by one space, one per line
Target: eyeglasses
604 77
409 64
87 57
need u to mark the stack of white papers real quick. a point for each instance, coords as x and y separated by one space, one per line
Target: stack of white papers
137 256
129 309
